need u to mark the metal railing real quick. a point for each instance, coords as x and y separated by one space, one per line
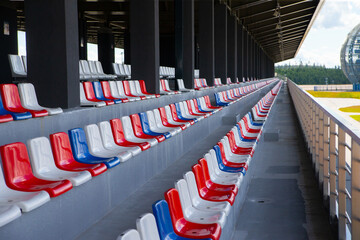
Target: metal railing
334 144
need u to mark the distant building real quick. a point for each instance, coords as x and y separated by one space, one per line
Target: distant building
350 55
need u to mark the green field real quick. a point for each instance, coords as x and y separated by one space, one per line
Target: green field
334 94
356 117
351 109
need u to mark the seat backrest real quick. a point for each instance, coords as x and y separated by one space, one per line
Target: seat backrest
185 199
137 87
160 119
106 89
120 87
205 169
24 60
189 177
114 89
117 130
106 134
92 67
168 112
116 70
11 97
199 177
98 90
93 138
167 85
128 130
173 199
126 87
99 67
122 69
162 86
142 86
146 226
151 120
85 67
41 156
211 162
16 164
27 94
61 148
127 70
133 88
16 64
228 81
81 71
89 91
163 219
78 143
137 124
131 234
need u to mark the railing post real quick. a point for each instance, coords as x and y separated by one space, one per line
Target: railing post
326 152
313 134
355 190
321 146
342 184
316 153
333 172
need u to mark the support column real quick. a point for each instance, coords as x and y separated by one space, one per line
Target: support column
179 39
8 41
220 29
240 52
232 48
250 57
82 37
167 50
144 37
53 51
188 43
106 50
127 48
206 41
245 55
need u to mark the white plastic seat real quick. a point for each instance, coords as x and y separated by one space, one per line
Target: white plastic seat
218 172
122 92
160 124
123 72
238 141
114 90
138 90
94 72
225 179
171 120
164 91
127 70
17 67
147 228
86 69
85 102
131 234
29 99
26 201
245 132
200 203
108 140
96 146
116 69
24 60
193 108
134 91
129 133
8 213
43 163
100 70
182 87
193 214
184 109
154 127
231 157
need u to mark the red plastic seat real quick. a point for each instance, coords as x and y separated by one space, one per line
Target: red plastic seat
208 103
64 159
128 91
19 176
90 94
187 229
247 127
143 89
243 132
208 194
235 148
138 131
188 103
175 117
119 138
227 162
107 92
12 102
215 186
165 121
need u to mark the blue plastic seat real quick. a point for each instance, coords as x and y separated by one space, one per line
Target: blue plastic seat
241 136
180 116
164 223
16 116
146 128
252 120
218 100
199 106
81 151
222 166
99 94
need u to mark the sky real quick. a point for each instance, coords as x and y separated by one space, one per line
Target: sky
321 47
324 41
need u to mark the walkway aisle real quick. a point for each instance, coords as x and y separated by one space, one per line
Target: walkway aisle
283 201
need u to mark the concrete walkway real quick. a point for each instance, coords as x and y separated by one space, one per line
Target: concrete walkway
283 201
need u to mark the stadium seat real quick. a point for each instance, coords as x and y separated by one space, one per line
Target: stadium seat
19 176
196 105
138 130
181 113
182 87
86 70
225 168
135 91
91 99
64 159
208 194
81 151
156 123
161 118
152 130
187 112
99 94
108 95
100 70
200 203
6 116
17 67
8 213
121 91
185 228
234 160
109 143
12 103
94 71
123 72
96 146
163 221
193 214
163 89
146 226
172 117
115 92
127 90
217 82
237 158
143 89
131 234
119 136
29 99
26 201
140 92
43 164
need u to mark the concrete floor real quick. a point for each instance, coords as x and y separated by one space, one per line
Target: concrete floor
283 201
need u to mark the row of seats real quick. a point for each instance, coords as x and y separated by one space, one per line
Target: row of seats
167 72
93 70
18 66
122 70
20 102
199 204
48 167
105 93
